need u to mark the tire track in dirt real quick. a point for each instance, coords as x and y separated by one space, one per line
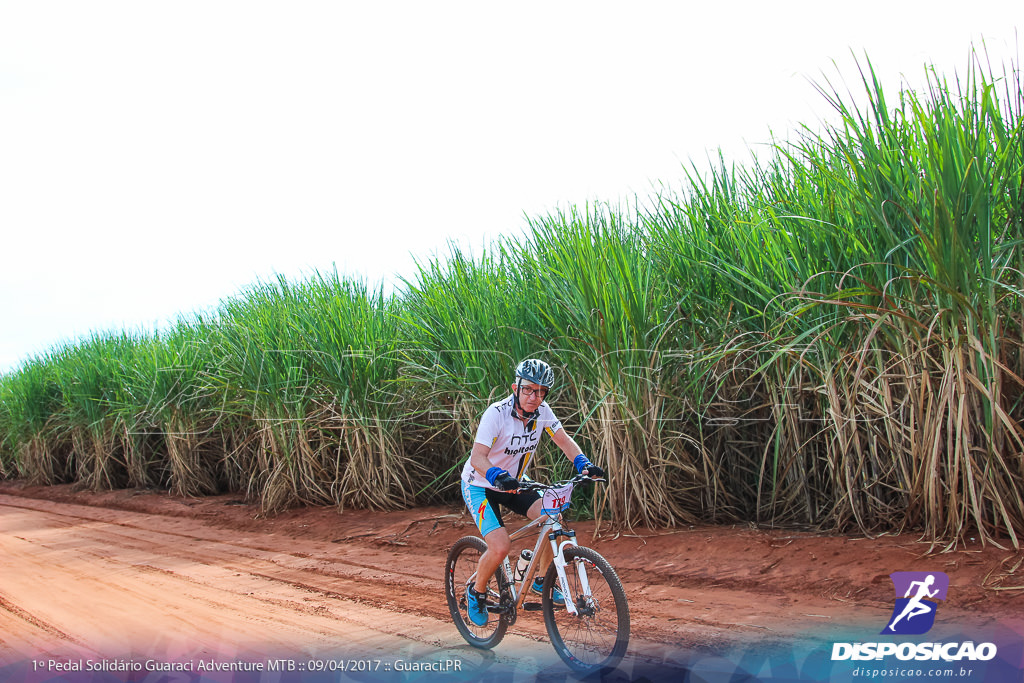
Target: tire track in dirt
72 515
360 576
190 576
15 611
371 580
194 587
344 579
697 589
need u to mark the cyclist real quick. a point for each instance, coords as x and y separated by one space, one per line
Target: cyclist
506 441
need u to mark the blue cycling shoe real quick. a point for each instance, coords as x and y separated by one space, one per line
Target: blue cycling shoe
476 605
556 595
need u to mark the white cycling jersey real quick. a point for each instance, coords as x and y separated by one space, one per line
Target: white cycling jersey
512 443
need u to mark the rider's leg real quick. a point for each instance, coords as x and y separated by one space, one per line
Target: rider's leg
494 534
498 546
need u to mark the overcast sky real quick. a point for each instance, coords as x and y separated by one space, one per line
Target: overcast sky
156 157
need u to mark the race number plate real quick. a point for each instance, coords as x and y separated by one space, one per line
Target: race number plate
556 500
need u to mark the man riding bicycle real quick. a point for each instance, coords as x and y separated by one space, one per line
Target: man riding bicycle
506 441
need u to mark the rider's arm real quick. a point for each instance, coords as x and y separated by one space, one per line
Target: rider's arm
479 460
486 434
566 443
573 452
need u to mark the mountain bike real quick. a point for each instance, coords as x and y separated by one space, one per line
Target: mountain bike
590 632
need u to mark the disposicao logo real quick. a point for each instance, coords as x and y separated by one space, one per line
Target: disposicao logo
917 596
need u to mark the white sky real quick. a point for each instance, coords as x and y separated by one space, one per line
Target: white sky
156 157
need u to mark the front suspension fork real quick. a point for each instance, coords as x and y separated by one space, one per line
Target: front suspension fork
563 580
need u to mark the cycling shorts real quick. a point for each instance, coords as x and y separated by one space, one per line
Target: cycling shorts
483 505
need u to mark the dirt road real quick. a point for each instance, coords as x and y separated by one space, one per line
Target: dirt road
139 583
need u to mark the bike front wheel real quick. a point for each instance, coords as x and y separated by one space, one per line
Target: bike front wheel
595 638
459 573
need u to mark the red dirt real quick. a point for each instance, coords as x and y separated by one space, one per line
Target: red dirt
138 573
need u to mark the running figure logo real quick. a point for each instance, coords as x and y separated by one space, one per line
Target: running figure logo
914 612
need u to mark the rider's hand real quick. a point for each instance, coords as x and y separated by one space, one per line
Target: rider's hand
506 482
501 479
584 466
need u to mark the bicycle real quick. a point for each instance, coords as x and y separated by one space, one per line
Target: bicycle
590 632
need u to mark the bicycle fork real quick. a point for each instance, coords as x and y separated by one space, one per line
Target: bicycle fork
563 579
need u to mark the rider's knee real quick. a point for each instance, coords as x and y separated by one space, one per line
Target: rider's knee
499 543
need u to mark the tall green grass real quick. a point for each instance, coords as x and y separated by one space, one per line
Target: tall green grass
309 377
829 337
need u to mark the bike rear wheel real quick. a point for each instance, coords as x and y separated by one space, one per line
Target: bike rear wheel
459 572
594 639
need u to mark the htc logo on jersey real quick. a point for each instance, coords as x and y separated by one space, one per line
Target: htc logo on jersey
530 438
526 443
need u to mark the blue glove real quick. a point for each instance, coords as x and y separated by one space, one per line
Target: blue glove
583 463
501 479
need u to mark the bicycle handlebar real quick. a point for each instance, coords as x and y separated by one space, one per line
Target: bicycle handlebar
537 486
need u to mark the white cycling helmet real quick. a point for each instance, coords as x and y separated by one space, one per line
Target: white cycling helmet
536 371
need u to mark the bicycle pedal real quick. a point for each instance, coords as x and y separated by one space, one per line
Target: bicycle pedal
532 607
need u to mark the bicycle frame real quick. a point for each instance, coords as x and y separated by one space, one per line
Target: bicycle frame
551 530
